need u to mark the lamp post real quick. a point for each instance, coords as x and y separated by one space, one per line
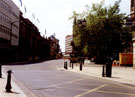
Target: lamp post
11 36
81 25
11 30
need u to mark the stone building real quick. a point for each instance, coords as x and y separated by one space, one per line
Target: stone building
68 47
32 46
20 39
9 30
54 47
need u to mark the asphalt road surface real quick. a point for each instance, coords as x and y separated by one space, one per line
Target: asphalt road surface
47 80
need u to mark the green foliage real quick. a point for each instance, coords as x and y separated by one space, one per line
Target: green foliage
103 33
75 14
85 49
77 41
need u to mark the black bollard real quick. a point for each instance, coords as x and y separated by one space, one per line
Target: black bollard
65 65
103 71
8 86
0 71
72 65
81 66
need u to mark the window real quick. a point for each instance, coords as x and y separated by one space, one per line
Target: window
4 30
5 18
5 6
15 15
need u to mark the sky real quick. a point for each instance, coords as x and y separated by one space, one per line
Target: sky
53 15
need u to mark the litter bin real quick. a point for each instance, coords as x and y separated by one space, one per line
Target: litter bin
108 68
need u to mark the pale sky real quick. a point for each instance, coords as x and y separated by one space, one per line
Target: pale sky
54 14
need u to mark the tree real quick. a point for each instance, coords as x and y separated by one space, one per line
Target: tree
104 33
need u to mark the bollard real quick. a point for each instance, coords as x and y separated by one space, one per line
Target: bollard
81 66
65 65
0 71
103 71
72 65
8 86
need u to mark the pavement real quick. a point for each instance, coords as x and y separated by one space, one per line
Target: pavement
121 74
15 91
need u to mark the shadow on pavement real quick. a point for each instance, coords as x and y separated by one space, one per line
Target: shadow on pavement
13 92
3 78
116 77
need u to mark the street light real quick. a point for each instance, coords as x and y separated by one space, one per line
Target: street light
11 35
11 30
82 24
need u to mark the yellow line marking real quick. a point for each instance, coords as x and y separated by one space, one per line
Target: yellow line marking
113 82
94 84
87 84
124 85
71 88
59 76
116 93
92 90
65 83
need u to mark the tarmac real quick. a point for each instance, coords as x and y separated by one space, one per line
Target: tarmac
121 74
15 91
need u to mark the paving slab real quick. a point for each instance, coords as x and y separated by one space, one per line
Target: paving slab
120 74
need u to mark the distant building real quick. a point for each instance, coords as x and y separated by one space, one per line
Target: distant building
9 13
54 47
128 22
133 11
68 47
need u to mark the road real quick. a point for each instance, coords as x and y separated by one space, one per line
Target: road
46 80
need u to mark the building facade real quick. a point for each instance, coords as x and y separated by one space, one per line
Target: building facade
133 19
32 46
9 30
9 13
68 47
20 39
54 47
133 11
